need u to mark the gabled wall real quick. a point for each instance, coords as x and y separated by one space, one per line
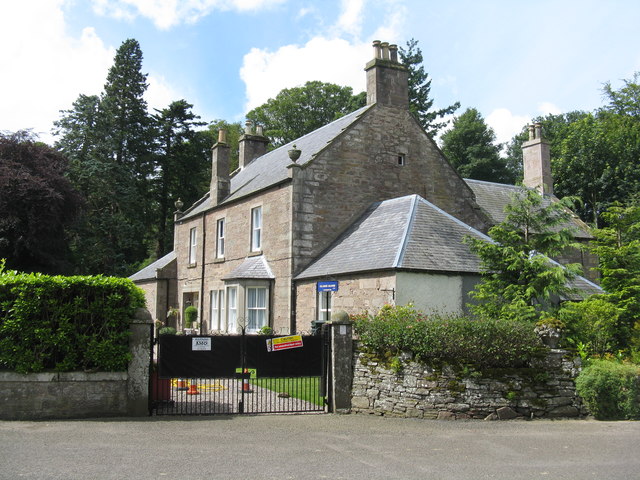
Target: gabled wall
361 167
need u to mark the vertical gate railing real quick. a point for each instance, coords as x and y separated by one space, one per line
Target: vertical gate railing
235 374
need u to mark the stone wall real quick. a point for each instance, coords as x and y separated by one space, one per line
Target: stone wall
62 395
37 396
546 391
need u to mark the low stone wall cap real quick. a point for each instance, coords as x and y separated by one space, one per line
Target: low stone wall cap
142 315
340 318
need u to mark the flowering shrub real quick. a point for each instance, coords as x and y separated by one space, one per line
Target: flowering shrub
454 340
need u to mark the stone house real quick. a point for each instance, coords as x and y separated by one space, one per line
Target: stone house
368 203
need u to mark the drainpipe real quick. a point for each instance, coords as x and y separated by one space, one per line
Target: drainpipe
292 313
204 249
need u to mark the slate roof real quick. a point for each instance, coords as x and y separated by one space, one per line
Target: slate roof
150 272
251 268
493 197
403 233
409 233
271 168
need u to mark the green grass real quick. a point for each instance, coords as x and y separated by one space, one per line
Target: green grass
304 388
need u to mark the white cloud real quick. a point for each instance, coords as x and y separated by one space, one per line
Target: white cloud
350 20
47 69
328 60
160 93
169 13
50 68
546 108
505 124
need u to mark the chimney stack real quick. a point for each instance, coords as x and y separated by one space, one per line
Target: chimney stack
387 78
252 145
220 183
536 158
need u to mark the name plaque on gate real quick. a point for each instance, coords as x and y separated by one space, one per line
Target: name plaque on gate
284 343
201 344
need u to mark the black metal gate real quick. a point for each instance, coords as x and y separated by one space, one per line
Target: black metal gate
234 374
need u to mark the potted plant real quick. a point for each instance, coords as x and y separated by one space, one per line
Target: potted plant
549 330
190 317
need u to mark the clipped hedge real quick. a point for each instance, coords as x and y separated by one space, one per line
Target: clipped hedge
610 389
452 340
65 323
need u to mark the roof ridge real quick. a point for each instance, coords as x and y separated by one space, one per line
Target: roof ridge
405 235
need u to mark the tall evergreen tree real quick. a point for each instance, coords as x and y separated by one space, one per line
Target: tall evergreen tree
470 147
420 104
518 280
177 170
108 143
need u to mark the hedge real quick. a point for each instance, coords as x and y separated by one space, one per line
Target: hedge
65 323
453 340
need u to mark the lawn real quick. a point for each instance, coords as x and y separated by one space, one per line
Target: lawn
304 388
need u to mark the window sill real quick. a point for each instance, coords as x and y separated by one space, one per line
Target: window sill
255 253
219 260
192 265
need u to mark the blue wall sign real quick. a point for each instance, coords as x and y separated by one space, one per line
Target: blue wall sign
328 286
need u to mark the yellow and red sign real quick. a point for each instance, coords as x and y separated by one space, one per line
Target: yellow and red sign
284 343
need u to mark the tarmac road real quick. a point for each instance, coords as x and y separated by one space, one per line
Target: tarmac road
318 447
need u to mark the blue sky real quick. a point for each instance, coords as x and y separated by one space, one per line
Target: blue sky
512 60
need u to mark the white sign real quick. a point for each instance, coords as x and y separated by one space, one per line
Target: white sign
201 343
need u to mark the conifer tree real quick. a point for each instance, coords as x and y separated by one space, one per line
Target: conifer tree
420 104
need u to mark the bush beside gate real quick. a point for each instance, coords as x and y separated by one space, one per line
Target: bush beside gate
72 347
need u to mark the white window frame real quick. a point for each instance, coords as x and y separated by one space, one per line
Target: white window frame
232 308
324 304
259 312
220 228
193 243
215 298
256 229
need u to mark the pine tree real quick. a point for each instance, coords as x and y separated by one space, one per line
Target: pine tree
420 105
518 279
108 143
177 170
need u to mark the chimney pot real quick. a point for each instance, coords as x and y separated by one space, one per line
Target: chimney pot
376 49
248 127
259 131
532 133
538 127
222 136
393 50
385 50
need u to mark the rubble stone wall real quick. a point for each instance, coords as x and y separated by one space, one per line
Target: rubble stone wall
546 390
